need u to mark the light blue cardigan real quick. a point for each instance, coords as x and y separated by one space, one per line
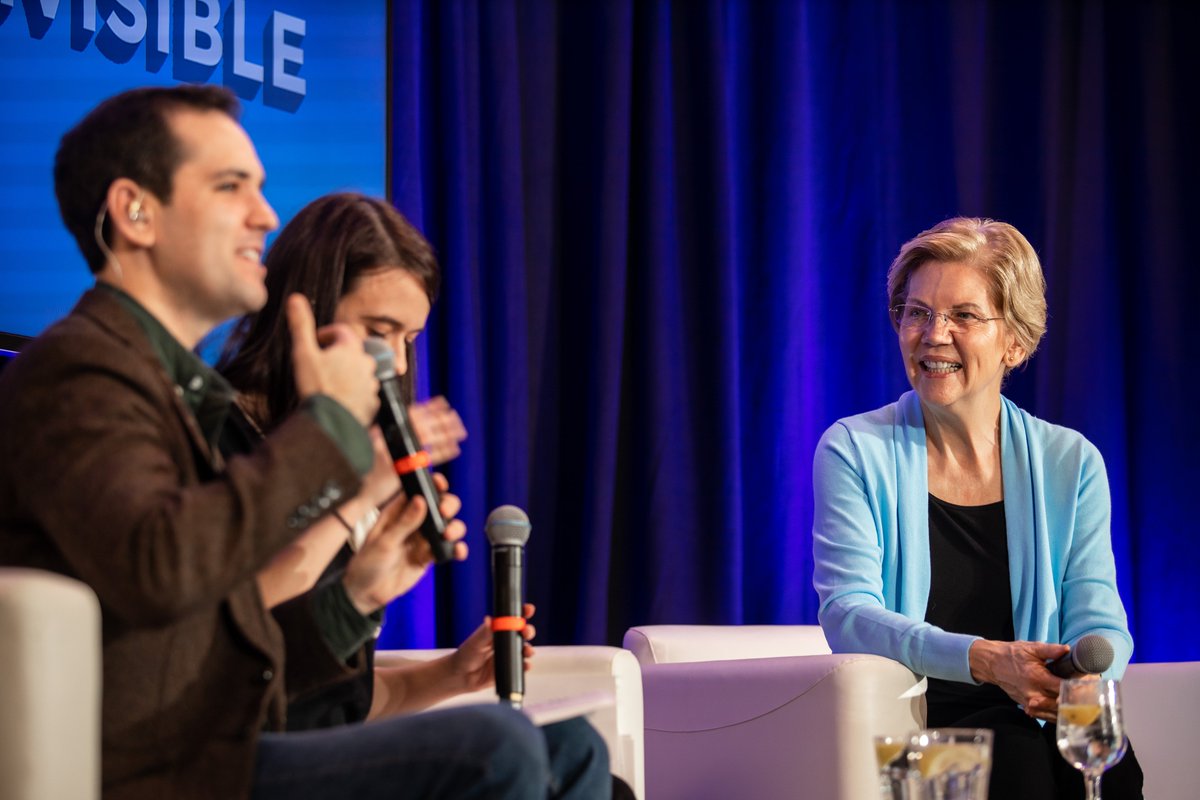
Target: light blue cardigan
871 539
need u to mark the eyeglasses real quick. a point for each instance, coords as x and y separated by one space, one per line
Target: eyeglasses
910 316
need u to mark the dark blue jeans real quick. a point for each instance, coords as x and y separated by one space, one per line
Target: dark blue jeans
470 752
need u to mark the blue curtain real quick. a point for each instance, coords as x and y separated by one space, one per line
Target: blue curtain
665 228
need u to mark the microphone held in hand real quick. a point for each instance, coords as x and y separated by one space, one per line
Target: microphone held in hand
508 529
410 459
1090 655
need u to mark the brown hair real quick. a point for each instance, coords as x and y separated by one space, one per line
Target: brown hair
126 136
322 253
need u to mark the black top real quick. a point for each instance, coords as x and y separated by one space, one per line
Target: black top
968 588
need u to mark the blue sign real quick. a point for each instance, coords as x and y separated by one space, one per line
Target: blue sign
312 76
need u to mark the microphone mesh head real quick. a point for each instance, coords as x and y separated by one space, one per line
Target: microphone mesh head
508 526
1093 654
385 359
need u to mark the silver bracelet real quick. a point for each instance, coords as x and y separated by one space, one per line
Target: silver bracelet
356 535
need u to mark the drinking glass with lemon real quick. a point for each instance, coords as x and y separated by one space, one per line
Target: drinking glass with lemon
893 770
950 763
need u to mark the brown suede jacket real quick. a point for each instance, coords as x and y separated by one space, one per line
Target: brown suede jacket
105 476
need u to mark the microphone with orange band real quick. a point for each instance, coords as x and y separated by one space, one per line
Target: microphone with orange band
410 459
508 530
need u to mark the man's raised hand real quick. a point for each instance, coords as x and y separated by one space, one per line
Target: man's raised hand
331 362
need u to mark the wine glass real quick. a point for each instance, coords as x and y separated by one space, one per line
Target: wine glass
1091 733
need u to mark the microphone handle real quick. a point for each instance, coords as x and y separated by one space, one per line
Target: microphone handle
419 483
1064 666
507 641
1090 655
416 481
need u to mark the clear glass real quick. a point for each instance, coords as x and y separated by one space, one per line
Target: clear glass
888 752
1091 732
950 764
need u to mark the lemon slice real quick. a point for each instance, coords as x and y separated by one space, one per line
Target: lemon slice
939 759
886 752
1083 714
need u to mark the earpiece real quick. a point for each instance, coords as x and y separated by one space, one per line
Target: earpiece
135 209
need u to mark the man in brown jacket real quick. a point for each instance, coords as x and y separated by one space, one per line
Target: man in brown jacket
109 472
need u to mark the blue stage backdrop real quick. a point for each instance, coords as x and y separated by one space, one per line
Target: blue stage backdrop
312 77
313 80
665 228
666 225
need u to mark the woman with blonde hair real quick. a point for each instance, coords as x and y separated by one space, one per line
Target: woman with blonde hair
960 535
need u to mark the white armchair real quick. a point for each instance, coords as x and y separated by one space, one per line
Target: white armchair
729 711
1161 704
49 687
765 712
50 669
566 671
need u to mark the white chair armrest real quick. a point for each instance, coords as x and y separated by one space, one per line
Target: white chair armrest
669 644
773 727
49 687
563 671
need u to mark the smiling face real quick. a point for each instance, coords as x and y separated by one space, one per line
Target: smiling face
209 239
956 371
388 303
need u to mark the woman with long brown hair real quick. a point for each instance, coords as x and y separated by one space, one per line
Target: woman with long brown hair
361 265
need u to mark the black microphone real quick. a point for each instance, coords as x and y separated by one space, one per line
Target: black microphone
508 529
1090 655
409 458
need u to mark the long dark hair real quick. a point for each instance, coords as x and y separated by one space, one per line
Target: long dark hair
322 253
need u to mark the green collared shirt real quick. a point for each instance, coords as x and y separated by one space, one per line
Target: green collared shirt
204 391
208 395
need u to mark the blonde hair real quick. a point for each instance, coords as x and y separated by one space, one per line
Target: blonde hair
1018 288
